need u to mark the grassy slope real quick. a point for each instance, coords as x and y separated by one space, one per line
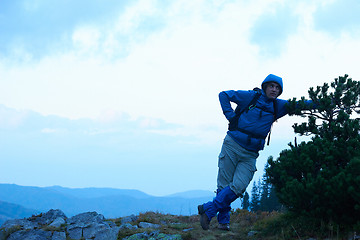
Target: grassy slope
244 225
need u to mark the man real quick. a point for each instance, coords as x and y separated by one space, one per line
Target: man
237 159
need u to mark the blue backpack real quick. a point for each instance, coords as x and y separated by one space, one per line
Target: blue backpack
233 124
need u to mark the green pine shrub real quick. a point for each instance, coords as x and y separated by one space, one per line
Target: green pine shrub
320 179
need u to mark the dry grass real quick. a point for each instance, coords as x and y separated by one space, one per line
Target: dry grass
189 228
244 225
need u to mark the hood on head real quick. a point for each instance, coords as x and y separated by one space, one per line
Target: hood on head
273 78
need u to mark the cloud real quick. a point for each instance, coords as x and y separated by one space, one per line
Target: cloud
338 17
175 69
41 27
272 29
53 130
169 60
116 38
10 118
86 38
121 153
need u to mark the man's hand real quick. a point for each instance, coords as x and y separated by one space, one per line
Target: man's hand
233 123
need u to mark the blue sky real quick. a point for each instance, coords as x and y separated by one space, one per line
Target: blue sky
124 94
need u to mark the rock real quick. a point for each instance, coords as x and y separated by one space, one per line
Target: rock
154 235
36 221
50 216
88 226
58 236
23 223
34 234
80 221
252 233
148 225
108 234
86 219
188 229
131 218
111 224
91 225
58 222
138 236
128 226
75 233
91 230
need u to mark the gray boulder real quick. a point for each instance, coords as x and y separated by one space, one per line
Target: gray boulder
128 226
93 229
85 219
131 218
148 225
58 236
58 222
22 223
75 233
50 216
107 234
91 225
34 234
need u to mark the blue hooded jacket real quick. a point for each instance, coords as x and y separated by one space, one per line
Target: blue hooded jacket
255 123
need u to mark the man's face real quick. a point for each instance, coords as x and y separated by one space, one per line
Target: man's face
272 90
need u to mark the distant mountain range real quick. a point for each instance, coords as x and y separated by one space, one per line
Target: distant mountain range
110 202
14 211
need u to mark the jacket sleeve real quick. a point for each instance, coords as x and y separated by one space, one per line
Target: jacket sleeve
238 97
282 110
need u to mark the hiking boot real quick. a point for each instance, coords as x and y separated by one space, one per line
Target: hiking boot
204 220
221 202
224 226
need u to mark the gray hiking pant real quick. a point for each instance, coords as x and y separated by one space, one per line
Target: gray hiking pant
236 166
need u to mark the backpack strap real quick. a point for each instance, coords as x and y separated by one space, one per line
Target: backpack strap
233 124
252 103
275 119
